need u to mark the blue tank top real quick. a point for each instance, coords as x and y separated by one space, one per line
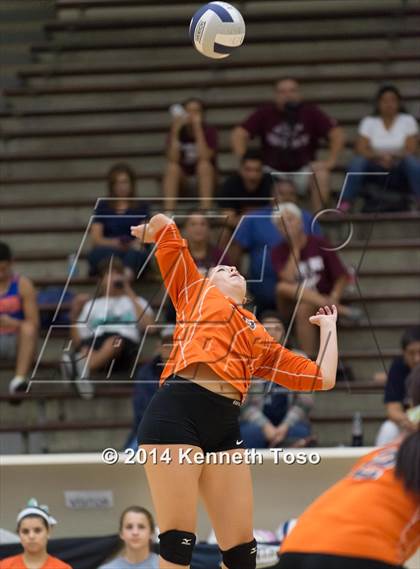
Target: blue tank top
11 304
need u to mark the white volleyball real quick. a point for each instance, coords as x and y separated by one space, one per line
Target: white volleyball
216 29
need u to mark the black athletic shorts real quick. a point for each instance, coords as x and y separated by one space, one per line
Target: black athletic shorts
321 561
183 412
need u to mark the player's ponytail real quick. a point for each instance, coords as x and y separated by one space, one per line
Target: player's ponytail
408 463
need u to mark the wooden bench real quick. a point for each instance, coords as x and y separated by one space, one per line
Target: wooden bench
65 70
256 39
179 20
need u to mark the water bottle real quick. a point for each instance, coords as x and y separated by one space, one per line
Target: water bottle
73 269
357 430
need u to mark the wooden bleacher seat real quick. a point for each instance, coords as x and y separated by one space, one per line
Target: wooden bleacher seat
176 20
218 82
63 70
256 39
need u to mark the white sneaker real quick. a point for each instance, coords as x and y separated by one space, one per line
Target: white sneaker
17 385
82 383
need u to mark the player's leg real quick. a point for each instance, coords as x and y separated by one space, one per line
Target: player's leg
174 488
226 490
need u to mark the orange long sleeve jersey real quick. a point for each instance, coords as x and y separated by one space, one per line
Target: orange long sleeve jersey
212 329
368 514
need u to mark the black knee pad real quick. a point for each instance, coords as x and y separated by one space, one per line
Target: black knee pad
242 556
176 546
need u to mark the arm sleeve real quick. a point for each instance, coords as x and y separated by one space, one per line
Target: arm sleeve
176 264
412 126
365 127
332 261
282 366
254 124
323 122
395 385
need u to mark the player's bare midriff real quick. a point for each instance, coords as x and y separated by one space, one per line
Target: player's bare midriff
206 377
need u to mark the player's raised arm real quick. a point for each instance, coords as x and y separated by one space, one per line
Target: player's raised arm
176 264
298 373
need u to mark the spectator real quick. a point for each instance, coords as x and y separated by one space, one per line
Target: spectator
110 230
136 529
108 329
290 131
34 525
274 417
396 395
249 188
147 381
257 235
387 142
307 260
191 151
196 230
19 320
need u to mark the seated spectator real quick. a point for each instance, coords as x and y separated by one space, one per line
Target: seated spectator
197 231
387 142
147 381
110 230
306 260
191 151
275 416
108 329
396 398
136 529
249 188
19 320
257 235
34 525
290 130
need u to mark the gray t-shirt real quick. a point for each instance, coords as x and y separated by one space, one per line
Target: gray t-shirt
152 562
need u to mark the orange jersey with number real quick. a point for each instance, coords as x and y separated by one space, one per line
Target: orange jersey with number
214 330
17 562
368 514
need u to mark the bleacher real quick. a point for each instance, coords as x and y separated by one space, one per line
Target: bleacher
94 88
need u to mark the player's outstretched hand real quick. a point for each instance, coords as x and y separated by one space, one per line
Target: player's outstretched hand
325 315
142 232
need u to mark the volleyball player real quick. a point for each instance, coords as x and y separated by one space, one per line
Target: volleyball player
371 518
218 346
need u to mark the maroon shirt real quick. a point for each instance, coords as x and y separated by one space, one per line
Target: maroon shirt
188 148
320 267
289 140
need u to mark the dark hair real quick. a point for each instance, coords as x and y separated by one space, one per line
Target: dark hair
137 510
413 386
33 516
407 466
121 168
5 252
195 211
252 154
270 314
387 89
113 264
195 100
411 335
